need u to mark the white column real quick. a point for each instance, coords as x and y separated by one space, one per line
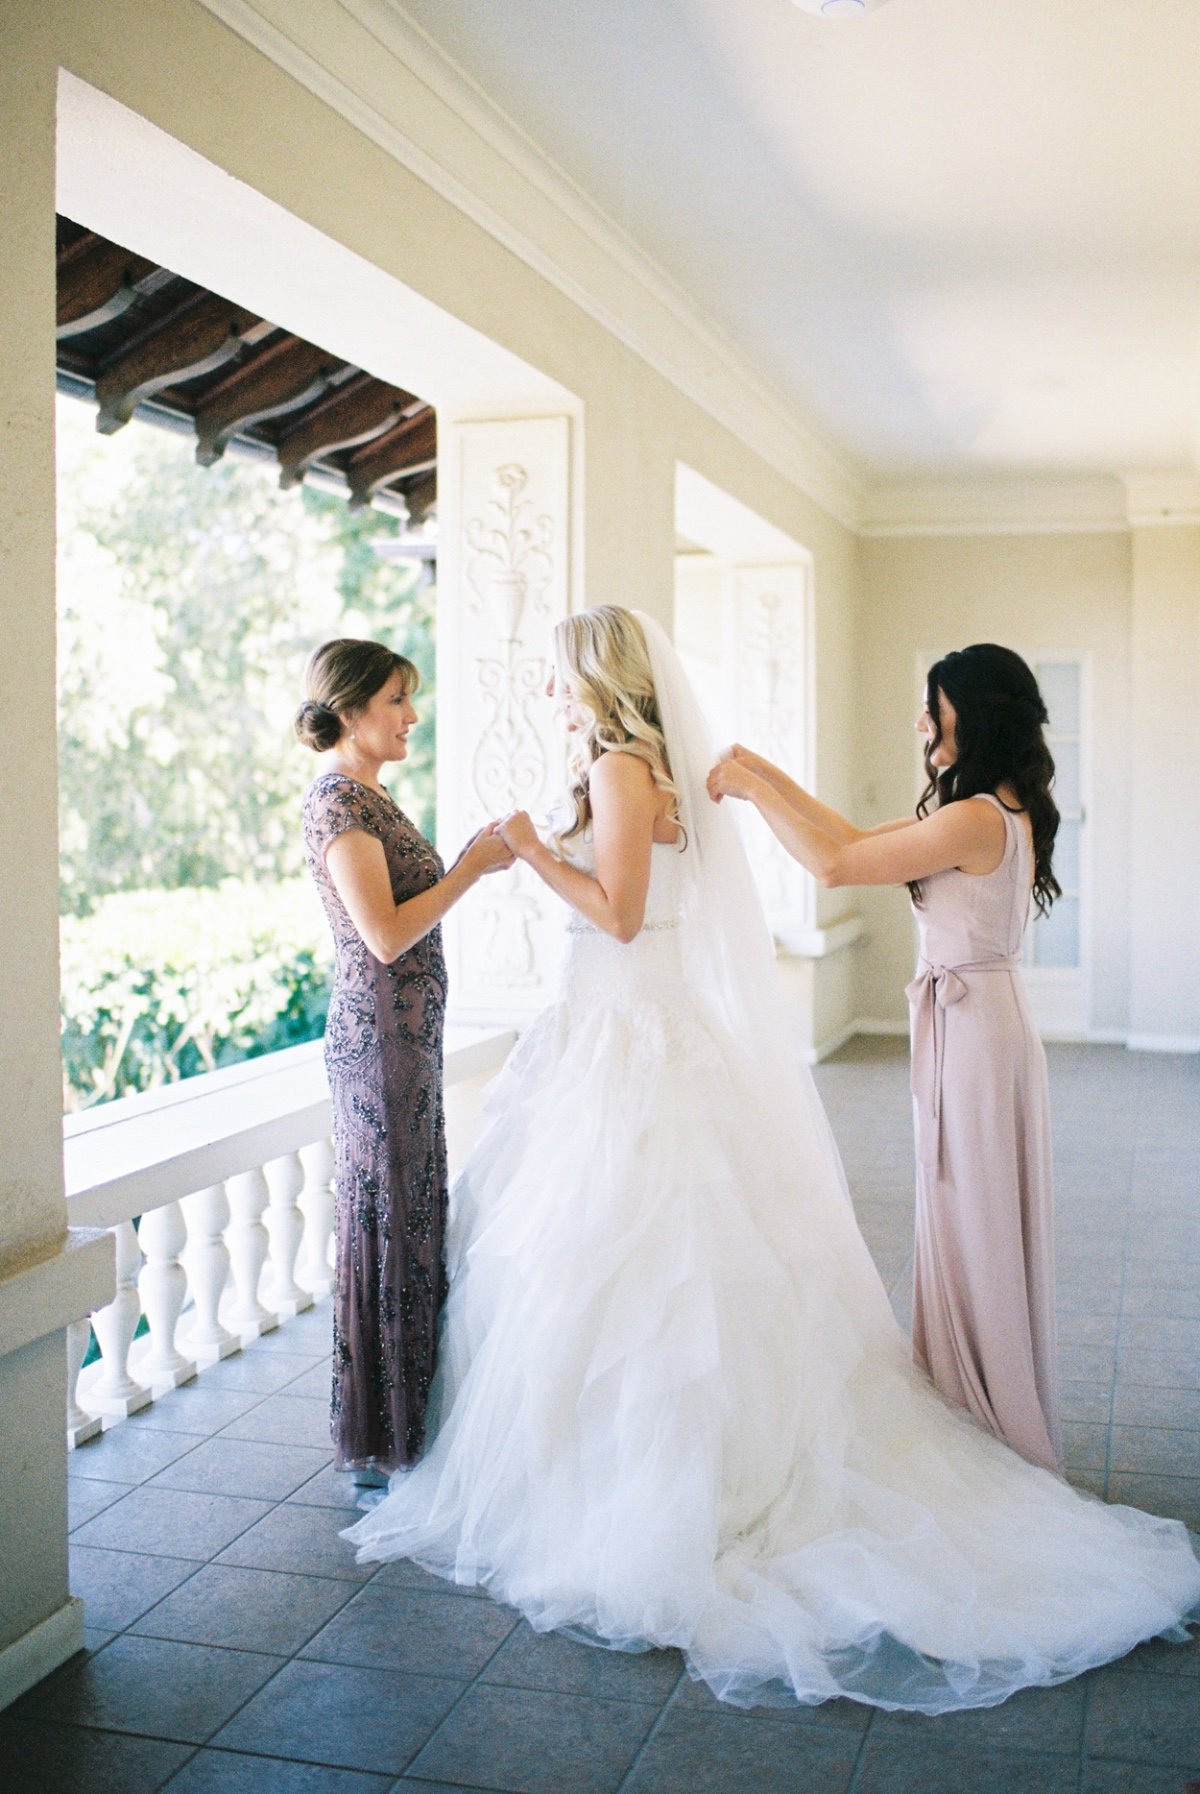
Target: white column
248 1244
162 1285
115 1391
207 1216
503 582
313 1268
81 1425
768 613
1162 736
285 1226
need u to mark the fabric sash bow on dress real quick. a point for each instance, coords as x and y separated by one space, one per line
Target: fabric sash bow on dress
934 990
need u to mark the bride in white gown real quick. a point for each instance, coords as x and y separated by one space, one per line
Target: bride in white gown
674 1406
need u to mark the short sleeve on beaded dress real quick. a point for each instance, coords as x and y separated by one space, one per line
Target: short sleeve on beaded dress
383 1054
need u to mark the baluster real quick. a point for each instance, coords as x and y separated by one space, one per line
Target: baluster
80 1424
116 1392
248 1244
163 1286
207 1216
316 1205
285 1180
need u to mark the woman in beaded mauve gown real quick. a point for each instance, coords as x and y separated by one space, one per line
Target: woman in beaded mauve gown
384 891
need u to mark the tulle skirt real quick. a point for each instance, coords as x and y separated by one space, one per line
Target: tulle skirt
673 1407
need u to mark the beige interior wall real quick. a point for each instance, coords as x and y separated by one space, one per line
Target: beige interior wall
1040 594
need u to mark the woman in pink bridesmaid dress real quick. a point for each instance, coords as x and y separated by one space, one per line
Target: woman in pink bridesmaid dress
983 1310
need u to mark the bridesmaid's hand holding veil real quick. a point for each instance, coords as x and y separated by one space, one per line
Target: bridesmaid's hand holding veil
735 774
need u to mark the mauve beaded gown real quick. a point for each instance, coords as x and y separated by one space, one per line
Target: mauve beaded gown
383 1053
983 1307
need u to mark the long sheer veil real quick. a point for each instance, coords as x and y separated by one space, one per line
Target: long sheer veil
729 954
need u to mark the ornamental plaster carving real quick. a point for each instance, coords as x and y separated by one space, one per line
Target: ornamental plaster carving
503 585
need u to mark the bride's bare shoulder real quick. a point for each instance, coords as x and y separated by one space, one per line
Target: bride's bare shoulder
617 772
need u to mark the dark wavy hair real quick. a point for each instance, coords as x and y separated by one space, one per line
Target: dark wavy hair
999 741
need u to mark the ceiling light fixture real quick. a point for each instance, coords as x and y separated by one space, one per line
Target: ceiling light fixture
838 9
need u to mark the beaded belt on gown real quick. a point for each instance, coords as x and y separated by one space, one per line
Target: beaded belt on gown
580 925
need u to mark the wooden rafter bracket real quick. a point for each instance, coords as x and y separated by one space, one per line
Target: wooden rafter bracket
283 378
409 448
420 495
200 338
347 420
98 280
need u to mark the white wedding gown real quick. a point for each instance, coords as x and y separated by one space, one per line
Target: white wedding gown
675 1408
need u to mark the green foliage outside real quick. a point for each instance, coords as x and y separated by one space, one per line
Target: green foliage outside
189 599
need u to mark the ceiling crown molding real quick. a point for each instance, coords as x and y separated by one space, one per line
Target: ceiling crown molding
994 507
1157 499
377 69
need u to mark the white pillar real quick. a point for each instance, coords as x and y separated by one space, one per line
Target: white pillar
1162 732
115 1392
248 1244
504 580
768 627
81 1425
162 1285
313 1268
285 1226
207 1216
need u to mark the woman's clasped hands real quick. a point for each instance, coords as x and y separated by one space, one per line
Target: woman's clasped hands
487 851
519 833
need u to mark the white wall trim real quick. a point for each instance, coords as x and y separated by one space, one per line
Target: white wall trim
75 1279
1163 1043
824 1049
1158 500
40 1650
994 507
378 70
817 942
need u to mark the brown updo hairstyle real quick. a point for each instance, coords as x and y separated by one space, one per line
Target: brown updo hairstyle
341 678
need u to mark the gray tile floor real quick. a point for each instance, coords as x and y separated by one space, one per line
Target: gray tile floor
235 1647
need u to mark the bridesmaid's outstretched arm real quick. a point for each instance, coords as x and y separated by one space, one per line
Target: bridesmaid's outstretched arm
968 834
838 828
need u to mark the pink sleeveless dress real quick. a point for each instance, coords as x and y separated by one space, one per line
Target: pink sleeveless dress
983 1307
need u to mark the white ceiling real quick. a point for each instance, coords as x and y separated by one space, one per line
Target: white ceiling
962 237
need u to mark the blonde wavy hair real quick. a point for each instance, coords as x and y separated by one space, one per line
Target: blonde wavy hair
602 672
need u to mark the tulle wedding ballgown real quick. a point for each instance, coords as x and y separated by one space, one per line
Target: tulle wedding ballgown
673 1406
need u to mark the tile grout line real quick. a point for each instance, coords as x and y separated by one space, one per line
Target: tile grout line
860 1760
453 1708
657 1724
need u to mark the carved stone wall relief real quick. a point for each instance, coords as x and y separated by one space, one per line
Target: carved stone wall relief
503 585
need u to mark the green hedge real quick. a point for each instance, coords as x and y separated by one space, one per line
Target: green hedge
160 985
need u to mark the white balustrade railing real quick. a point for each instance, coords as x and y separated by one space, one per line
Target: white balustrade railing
230 1179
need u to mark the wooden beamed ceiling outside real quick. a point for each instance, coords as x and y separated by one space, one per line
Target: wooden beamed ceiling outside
139 338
